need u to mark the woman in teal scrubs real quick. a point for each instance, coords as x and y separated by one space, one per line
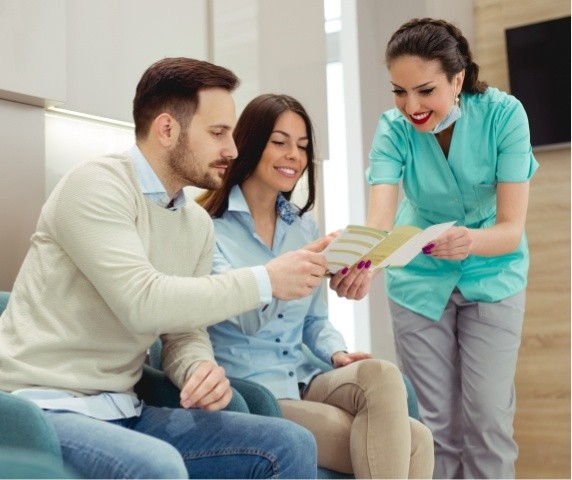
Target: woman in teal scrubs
462 152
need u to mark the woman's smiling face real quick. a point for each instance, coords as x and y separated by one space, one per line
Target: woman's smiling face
422 92
284 159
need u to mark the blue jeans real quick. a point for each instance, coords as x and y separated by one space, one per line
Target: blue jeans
178 443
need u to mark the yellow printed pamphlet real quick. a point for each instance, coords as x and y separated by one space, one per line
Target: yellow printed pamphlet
384 249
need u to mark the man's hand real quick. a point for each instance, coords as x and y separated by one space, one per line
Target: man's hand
341 359
207 388
295 274
320 244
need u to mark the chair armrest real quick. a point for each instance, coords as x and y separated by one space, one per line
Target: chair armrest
155 389
412 402
259 399
24 426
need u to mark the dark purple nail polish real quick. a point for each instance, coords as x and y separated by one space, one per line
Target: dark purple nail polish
345 270
368 264
360 265
427 248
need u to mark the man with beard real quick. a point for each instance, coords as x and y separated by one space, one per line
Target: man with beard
119 257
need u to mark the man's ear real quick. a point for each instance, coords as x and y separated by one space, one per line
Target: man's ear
166 130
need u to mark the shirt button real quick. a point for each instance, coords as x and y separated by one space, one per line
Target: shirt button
285 352
291 374
280 315
277 340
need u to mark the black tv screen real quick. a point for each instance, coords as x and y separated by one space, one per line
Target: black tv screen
539 76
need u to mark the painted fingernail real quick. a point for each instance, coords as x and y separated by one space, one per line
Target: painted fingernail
368 264
427 248
360 265
345 270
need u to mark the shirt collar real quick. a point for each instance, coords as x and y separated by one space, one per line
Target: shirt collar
286 211
150 184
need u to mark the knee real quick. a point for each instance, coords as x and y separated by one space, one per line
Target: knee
165 462
299 437
375 374
294 449
422 451
421 437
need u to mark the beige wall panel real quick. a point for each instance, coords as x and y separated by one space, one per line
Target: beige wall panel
21 183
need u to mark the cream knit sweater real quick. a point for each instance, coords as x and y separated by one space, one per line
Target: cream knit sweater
106 273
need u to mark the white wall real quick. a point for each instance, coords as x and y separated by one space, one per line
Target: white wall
71 140
275 47
32 51
110 43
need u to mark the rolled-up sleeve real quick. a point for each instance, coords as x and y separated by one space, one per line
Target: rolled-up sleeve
386 155
516 162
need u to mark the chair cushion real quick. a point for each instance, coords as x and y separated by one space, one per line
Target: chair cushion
24 425
16 463
4 296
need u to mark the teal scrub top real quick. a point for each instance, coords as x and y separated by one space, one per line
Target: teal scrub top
490 144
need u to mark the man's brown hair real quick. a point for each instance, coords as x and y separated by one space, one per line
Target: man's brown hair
172 85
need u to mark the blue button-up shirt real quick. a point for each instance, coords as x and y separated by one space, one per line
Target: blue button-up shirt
264 345
490 144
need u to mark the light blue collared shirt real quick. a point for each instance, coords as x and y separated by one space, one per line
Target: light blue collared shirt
150 184
109 405
264 345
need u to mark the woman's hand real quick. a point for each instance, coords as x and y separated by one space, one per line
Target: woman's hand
341 359
354 283
454 244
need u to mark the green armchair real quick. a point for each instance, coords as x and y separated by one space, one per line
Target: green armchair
29 446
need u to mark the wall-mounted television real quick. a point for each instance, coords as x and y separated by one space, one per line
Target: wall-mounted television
539 75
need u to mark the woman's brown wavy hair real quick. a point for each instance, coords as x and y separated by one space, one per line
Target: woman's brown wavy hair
251 135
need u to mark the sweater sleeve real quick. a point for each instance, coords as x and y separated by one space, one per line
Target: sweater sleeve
182 352
93 218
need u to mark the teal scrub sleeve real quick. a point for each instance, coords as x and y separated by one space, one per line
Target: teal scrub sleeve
516 163
386 156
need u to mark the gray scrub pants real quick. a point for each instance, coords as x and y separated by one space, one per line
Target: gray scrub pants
463 368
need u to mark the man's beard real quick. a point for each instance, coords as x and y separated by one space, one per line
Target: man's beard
186 168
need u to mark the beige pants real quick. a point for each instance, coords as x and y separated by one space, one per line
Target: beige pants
358 415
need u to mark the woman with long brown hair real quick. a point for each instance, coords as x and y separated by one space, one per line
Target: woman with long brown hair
357 411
